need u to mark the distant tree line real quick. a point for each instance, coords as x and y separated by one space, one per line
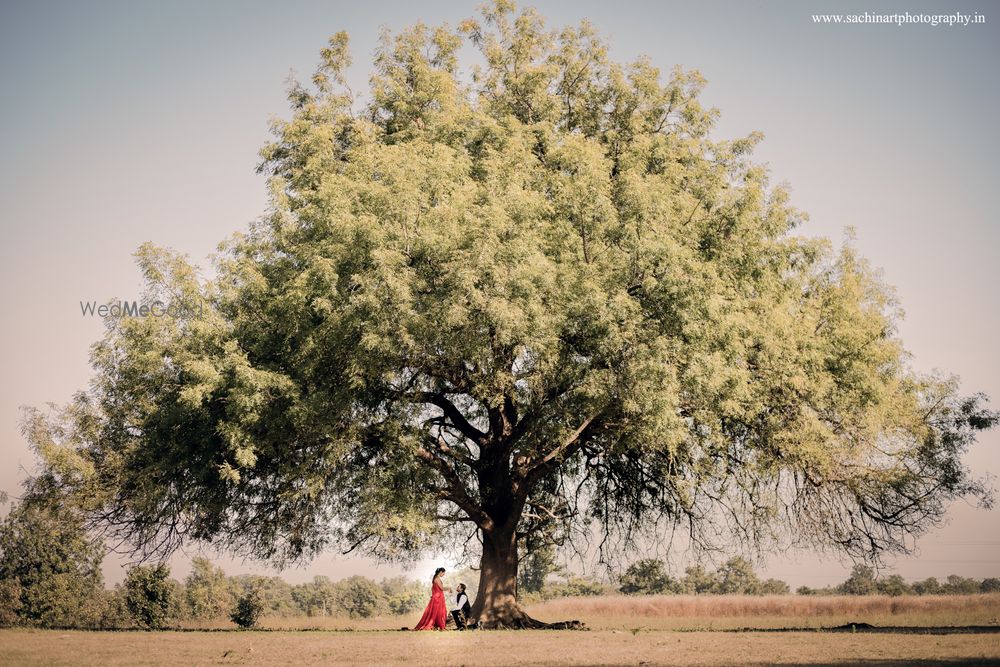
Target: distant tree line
734 577
863 581
737 577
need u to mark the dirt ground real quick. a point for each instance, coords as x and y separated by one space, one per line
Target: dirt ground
603 647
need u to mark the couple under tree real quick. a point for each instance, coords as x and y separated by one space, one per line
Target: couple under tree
436 614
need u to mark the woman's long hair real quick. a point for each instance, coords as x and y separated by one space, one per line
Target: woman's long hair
437 572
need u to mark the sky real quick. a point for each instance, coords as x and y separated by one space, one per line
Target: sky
126 122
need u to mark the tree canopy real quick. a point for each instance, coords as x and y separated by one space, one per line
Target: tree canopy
531 299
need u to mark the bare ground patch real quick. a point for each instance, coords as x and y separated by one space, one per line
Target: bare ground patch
607 647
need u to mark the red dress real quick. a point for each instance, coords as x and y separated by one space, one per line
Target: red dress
437 611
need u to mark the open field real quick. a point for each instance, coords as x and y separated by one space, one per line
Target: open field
657 630
605 647
705 612
727 612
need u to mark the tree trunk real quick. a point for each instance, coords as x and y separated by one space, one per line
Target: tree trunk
496 606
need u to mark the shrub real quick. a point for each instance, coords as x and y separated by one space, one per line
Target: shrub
929 586
576 587
956 585
894 585
861 582
148 595
698 580
247 610
990 585
645 577
774 587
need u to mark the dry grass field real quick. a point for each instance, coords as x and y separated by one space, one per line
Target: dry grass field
705 612
24 647
727 612
667 630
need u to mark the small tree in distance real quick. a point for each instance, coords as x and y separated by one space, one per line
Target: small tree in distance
207 590
861 581
646 577
50 567
249 606
148 595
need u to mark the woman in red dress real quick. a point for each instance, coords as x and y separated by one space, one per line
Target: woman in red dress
437 611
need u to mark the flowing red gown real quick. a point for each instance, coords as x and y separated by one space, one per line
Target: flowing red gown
437 611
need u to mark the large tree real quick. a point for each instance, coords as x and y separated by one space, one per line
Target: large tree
536 298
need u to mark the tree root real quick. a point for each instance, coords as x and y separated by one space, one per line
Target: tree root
515 619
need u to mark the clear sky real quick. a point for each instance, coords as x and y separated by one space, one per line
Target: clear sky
122 122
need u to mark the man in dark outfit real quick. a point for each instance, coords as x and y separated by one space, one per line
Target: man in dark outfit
461 613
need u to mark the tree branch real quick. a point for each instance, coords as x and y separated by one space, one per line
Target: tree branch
456 491
451 412
566 447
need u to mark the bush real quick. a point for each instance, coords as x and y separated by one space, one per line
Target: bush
956 585
275 593
990 585
247 610
576 587
698 580
647 577
929 586
861 582
894 585
105 610
148 595
774 587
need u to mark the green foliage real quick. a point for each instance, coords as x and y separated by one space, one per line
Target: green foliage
575 586
990 585
109 611
893 585
148 595
360 597
956 585
647 577
929 586
861 582
274 592
10 602
774 587
316 598
535 568
403 596
49 565
247 610
207 590
736 576
699 580
864 582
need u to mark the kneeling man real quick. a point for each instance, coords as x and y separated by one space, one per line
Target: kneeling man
461 613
